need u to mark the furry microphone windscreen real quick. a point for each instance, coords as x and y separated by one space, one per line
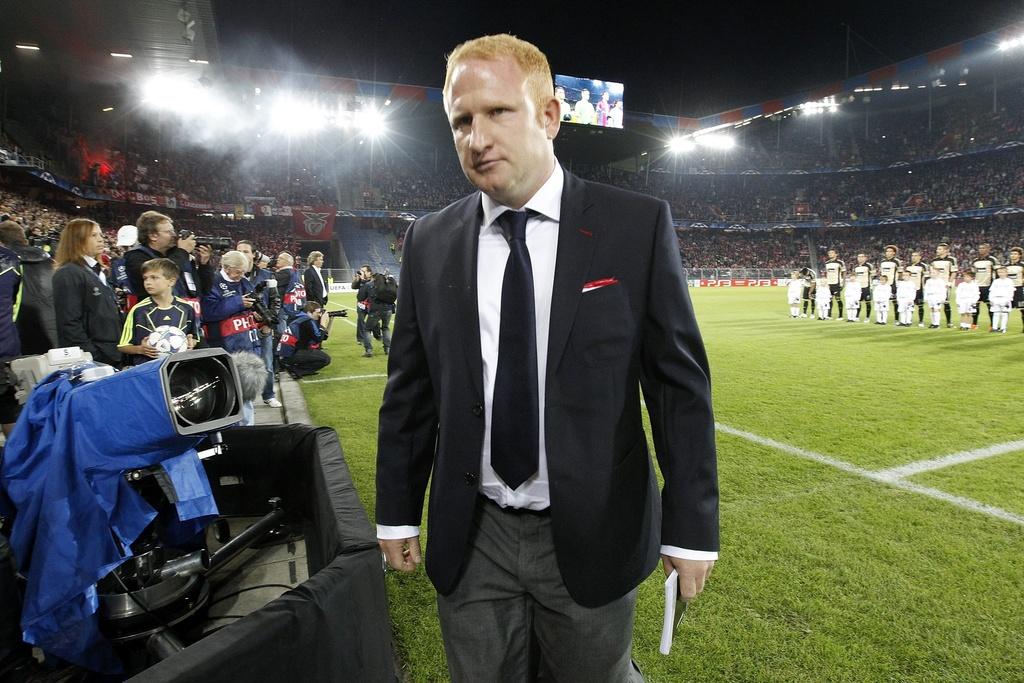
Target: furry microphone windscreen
252 374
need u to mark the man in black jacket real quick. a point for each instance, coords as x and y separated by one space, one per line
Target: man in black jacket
313 279
533 313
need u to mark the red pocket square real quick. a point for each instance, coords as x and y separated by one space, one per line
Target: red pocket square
598 284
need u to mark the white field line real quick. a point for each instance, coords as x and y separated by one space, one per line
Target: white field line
881 477
912 468
342 379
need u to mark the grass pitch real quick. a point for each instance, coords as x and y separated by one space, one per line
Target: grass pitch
825 573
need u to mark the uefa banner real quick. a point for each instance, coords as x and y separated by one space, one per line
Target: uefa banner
313 222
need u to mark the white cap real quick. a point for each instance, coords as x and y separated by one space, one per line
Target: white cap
127 236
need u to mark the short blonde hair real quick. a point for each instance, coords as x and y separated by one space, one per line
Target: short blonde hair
284 258
234 259
531 61
314 255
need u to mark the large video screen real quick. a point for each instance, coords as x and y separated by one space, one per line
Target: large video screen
590 102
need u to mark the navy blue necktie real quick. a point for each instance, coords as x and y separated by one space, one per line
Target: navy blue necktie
514 414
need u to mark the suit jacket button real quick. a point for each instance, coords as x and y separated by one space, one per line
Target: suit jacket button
478 409
470 479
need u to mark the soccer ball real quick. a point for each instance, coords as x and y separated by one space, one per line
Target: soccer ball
167 339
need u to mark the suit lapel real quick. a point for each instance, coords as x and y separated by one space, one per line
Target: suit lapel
460 272
576 241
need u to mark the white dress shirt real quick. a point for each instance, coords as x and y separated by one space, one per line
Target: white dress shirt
492 253
91 262
323 285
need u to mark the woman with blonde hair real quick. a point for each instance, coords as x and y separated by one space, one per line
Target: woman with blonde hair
84 303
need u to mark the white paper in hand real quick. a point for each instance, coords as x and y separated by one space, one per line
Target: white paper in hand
675 609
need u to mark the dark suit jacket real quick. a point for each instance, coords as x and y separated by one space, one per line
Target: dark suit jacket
87 313
314 292
606 516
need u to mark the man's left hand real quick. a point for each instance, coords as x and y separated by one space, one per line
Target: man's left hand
692 574
203 252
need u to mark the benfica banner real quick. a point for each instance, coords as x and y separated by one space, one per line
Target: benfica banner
753 282
313 222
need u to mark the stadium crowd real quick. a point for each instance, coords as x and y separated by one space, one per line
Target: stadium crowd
962 121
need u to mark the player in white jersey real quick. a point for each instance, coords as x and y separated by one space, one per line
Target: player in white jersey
851 297
834 271
906 294
918 270
935 292
967 295
864 271
1000 299
881 294
947 267
794 290
984 271
823 298
890 266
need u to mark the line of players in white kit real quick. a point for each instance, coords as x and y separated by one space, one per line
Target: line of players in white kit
863 288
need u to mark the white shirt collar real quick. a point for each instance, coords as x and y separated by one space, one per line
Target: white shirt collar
547 201
89 260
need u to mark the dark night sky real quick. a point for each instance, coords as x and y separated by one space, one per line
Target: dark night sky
674 57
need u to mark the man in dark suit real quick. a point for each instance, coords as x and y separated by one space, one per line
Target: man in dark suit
313 279
521 345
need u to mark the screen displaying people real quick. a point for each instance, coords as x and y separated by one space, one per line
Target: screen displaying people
590 102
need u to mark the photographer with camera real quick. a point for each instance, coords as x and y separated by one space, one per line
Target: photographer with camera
289 284
265 287
381 295
301 346
193 260
361 284
156 238
229 312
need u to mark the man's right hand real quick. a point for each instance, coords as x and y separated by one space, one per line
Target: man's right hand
247 301
402 554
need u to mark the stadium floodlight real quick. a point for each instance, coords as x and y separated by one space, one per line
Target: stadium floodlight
295 117
198 61
371 122
26 46
183 96
121 55
108 109
1011 43
717 141
681 145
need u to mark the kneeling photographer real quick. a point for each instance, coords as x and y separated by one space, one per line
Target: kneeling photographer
301 347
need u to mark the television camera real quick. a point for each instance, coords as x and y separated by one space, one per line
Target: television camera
130 561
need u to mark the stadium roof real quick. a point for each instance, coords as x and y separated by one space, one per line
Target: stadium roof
82 44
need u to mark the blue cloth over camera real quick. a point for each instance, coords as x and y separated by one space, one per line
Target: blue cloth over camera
75 514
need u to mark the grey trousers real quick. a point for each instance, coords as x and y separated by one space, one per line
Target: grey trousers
510 617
